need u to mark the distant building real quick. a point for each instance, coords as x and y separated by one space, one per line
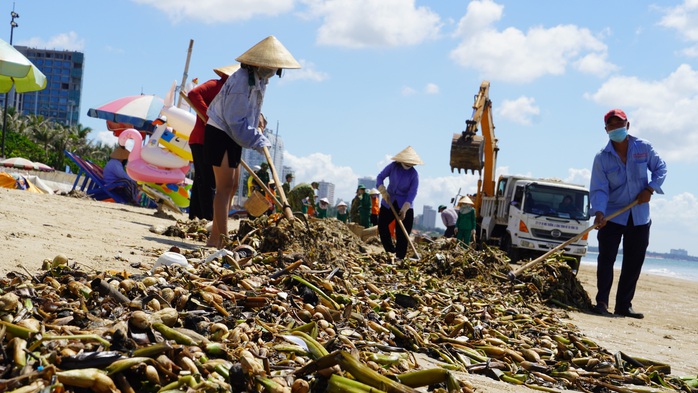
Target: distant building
326 190
60 100
428 217
678 252
368 182
253 158
285 171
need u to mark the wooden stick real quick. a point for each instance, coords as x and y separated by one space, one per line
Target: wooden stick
186 71
513 274
244 164
286 208
404 230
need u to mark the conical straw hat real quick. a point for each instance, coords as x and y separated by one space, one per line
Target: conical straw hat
408 156
120 153
270 53
226 70
465 200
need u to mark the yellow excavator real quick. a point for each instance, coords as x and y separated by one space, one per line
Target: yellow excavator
523 216
473 152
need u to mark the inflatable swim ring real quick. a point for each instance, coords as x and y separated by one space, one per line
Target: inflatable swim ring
177 144
142 171
153 153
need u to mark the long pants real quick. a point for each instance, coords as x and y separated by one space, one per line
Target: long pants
450 231
635 242
204 186
385 217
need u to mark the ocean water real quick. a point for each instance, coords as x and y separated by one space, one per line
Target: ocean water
675 268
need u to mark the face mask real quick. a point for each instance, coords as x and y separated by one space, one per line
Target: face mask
266 73
618 135
406 166
466 209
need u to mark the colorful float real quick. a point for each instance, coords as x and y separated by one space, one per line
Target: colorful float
155 154
142 171
178 193
180 120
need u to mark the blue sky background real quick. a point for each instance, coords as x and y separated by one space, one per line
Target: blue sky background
379 75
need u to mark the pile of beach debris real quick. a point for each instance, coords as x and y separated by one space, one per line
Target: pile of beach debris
306 306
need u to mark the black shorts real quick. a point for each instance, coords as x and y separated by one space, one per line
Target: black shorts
217 143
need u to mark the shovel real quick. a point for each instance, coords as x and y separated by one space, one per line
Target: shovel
512 274
404 230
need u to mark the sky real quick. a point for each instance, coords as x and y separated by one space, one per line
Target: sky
380 75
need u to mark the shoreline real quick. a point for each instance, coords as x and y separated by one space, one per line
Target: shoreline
661 267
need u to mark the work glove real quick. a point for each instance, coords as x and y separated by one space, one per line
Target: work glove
384 193
472 236
403 212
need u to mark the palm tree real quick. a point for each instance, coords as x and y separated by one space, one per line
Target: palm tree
34 122
44 134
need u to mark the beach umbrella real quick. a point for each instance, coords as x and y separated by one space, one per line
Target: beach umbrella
138 111
40 166
19 72
19 163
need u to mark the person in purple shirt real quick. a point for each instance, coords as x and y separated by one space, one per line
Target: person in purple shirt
619 177
117 180
401 191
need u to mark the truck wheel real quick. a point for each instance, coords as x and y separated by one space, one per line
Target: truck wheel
512 252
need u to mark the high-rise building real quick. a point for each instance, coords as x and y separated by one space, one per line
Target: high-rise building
60 100
368 182
326 190
428 217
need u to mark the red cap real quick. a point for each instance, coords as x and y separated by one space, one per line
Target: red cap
615 113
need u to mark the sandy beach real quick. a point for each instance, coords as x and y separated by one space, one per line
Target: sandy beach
100 235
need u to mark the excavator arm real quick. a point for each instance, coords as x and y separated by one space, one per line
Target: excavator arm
470 151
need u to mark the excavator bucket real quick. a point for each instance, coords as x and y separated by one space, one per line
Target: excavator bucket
467 152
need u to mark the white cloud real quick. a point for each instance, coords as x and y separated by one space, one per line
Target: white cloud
520 110
595 64
373 24
104 137
437 191
682 18
517 56
431 88
407 91
690 51
217 11
306 72
478 17
673 221
65 41
662 111
319 166
578 176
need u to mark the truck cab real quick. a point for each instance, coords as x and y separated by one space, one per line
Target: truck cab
527 217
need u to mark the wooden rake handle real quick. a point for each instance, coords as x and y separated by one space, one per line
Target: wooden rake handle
512 275
404 230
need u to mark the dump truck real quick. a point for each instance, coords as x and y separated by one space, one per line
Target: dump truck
523 216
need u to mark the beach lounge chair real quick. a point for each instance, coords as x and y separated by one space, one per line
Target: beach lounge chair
90 180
